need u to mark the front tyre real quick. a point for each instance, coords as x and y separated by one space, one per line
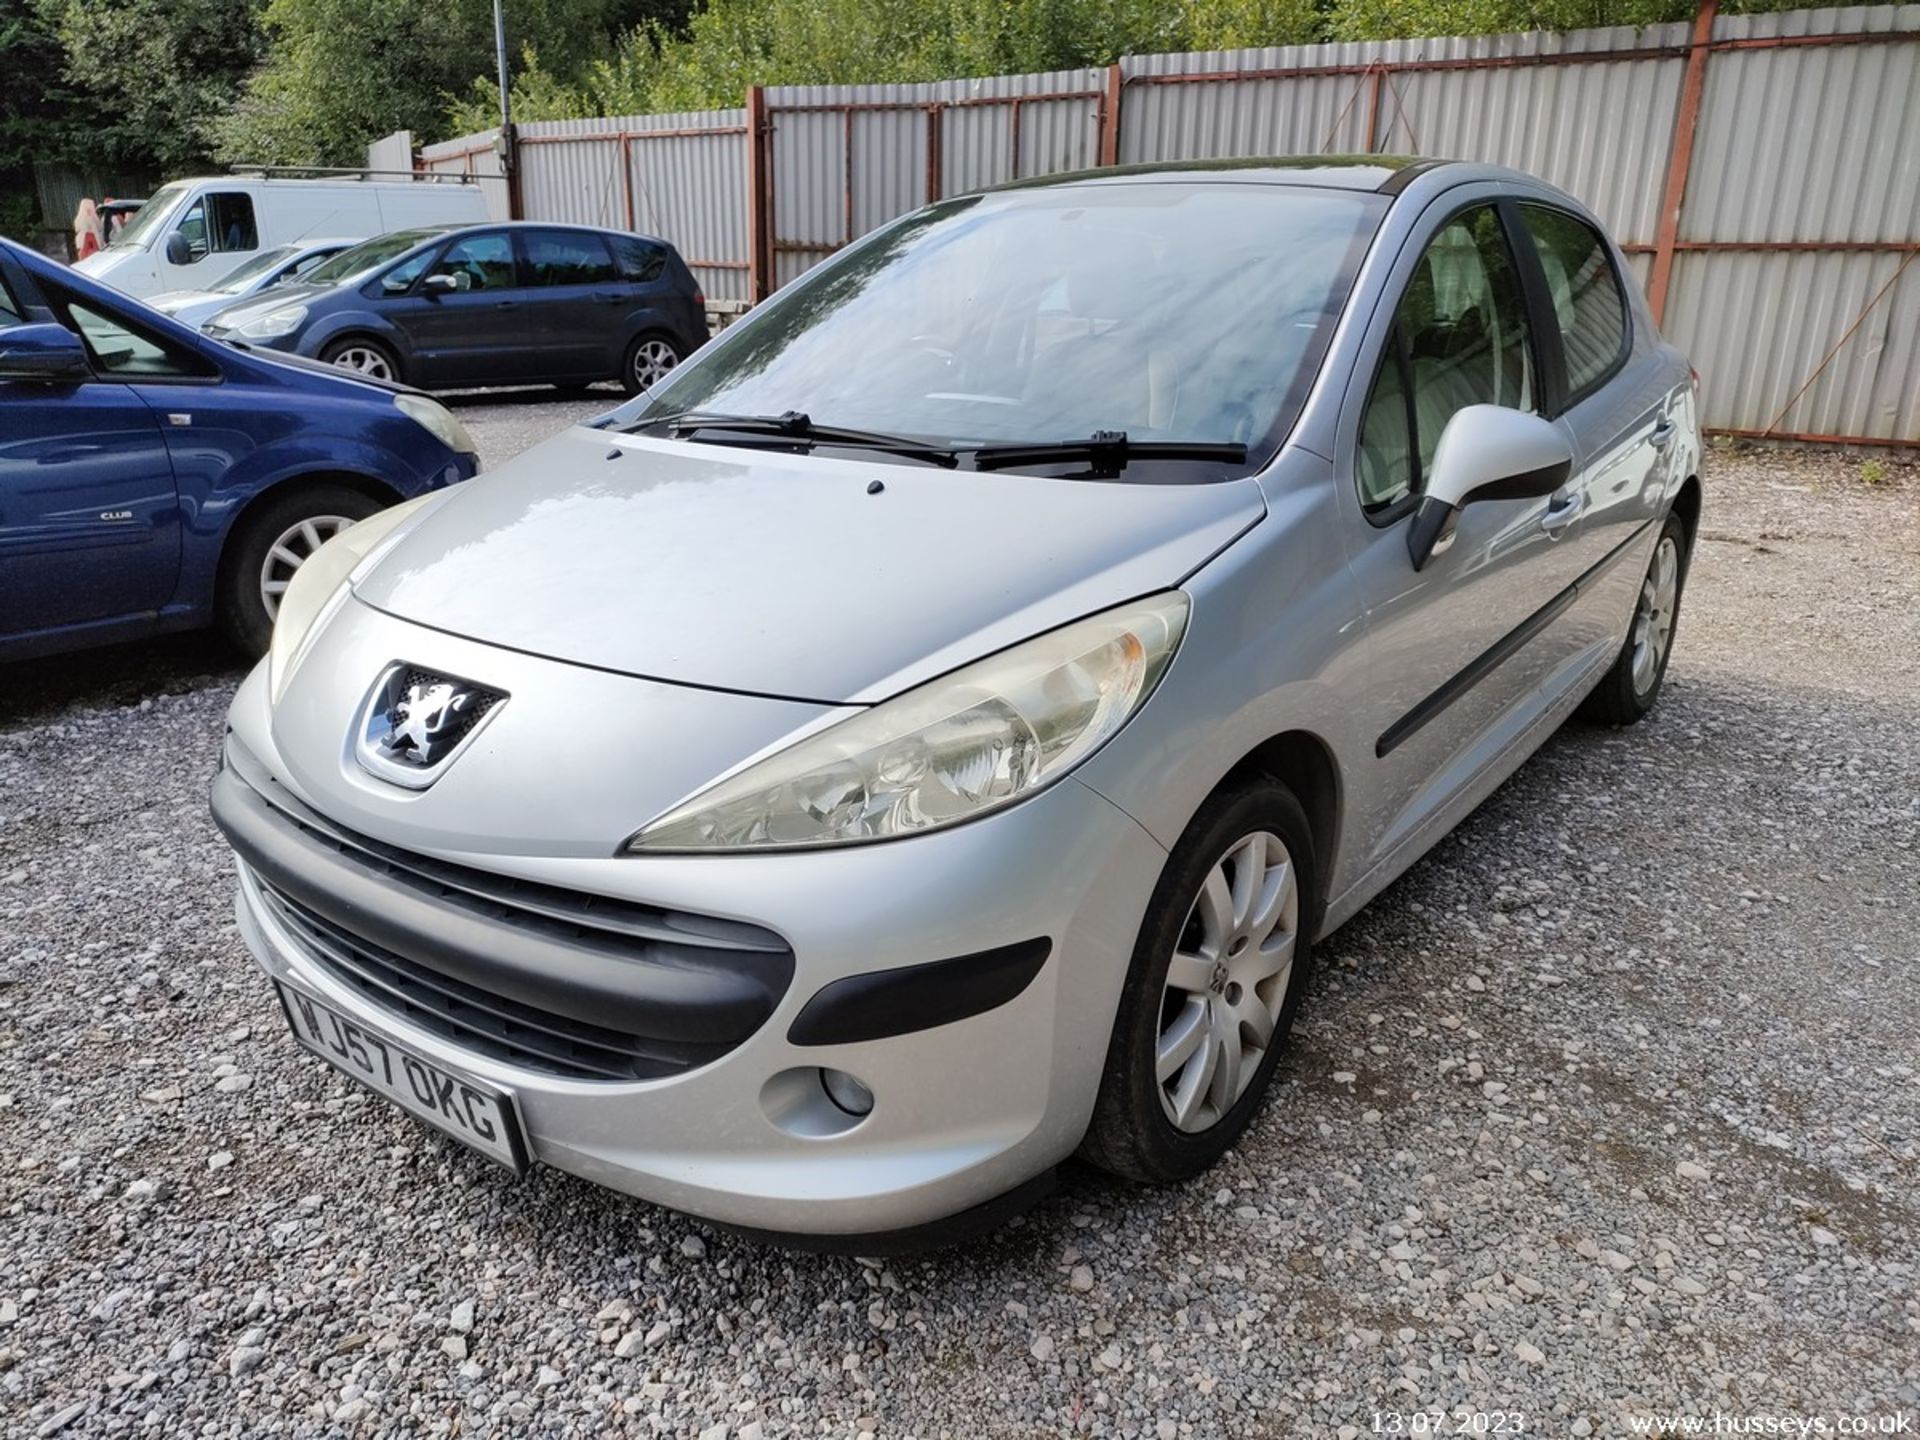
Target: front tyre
1628 690
1217 974
273 542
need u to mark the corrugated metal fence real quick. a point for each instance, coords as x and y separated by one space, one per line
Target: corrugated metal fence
1762 172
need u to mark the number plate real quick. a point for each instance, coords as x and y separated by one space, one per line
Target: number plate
471 1111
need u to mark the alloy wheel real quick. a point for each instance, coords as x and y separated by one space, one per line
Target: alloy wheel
292 550
365 359
652 360
1227 981
1653 619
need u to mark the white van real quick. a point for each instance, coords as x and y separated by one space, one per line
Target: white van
192 232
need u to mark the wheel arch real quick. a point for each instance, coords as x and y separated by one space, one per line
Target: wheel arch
375 490
1686 504
1305 764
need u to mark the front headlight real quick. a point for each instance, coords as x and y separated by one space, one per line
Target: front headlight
274 324
437 421
320 583
958 747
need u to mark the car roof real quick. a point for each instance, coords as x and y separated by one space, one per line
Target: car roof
1337 172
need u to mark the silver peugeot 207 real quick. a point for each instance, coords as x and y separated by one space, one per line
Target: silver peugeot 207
922 738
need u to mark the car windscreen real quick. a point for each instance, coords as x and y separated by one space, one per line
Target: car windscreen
235 281
1180 311
353 265
151 217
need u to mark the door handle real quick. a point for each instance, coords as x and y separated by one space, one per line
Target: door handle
1563 510
504 304
1662 434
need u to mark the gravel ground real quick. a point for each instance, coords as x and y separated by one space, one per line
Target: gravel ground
1607 1109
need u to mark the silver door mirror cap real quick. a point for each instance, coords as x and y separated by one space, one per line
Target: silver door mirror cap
1487 452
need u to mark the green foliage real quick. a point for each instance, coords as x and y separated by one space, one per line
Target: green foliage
35 109
343 72
1873 472
155 76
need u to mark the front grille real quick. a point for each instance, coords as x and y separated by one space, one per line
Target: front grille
540 976
476 1020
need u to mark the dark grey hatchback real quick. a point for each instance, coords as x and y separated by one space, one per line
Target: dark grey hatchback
498 304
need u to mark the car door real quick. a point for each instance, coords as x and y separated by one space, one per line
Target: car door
465 318
89 516
1463 651
1616 397
214 233
578 304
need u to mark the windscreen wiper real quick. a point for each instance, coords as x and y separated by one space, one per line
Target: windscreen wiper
1107 453
797 428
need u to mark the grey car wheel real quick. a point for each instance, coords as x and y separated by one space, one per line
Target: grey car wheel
1227 981
1216 976
1653 619
1630 686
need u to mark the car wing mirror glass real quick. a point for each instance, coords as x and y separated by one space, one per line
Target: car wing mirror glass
1487 452
50 353
178 251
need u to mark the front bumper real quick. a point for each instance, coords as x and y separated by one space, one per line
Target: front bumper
963 1112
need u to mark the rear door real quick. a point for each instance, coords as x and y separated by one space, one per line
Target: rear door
579 304
1616 396
89 516
476 332
1463 652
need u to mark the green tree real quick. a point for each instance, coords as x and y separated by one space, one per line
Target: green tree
154 77
342 72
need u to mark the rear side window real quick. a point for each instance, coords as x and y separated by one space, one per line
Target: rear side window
562 257
639 259
1587 300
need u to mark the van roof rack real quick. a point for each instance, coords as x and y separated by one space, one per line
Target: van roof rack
345 172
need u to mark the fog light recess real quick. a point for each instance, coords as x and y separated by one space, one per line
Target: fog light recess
815 1103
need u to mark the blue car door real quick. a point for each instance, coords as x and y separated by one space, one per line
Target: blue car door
89 518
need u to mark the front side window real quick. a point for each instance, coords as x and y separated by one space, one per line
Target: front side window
1182 311
562 257
1459 338
120 349
1588 303
478 262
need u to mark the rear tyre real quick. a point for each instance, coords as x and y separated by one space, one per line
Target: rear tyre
270 546
365 357
650 359
1217 974
1628 690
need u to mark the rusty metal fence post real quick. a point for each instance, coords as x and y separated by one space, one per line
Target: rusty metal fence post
759 197
1680 159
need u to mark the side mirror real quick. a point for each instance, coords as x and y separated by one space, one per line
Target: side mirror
48 353
178 251
440 284
1487 452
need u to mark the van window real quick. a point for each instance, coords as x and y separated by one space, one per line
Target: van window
228 228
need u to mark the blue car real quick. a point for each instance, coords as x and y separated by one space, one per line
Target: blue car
155 479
